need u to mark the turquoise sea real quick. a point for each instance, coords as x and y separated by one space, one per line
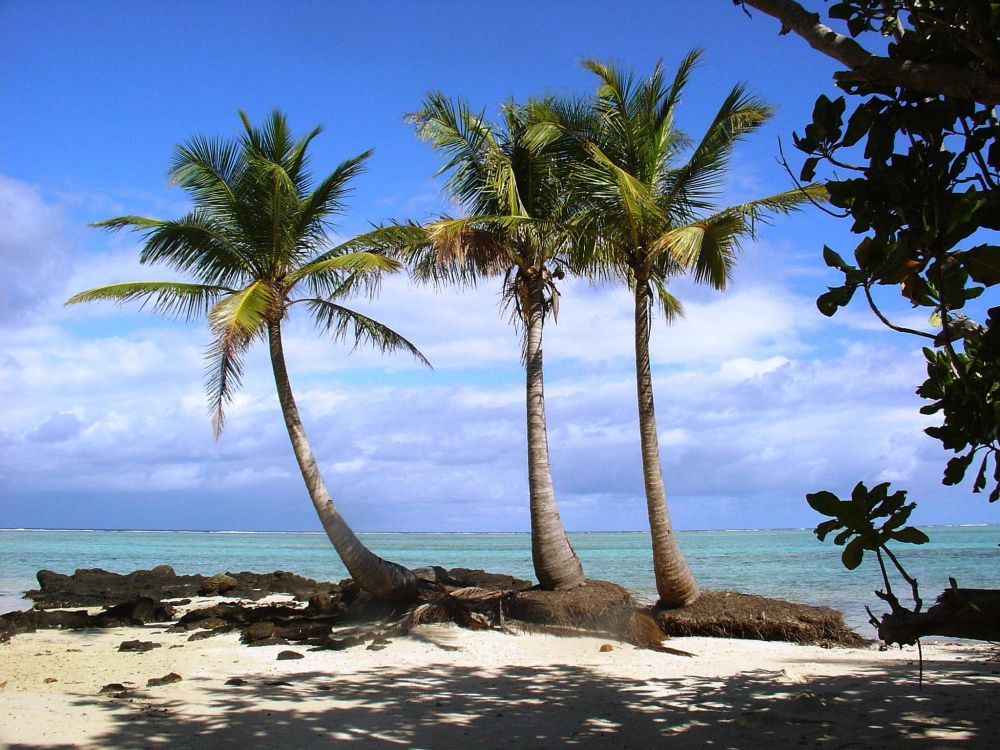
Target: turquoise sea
785 563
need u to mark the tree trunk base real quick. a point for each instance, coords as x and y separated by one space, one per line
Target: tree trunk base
958 613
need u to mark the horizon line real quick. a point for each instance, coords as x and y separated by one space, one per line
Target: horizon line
440 531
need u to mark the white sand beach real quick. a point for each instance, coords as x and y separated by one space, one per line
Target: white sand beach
443 687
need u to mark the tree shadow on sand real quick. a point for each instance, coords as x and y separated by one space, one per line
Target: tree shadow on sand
444 706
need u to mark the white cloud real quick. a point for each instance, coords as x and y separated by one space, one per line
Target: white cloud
34 251
759 400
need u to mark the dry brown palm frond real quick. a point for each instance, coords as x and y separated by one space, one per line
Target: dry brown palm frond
645 632
470 607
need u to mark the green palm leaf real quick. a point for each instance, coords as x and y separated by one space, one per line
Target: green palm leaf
358 264
170 298
345 324
235 321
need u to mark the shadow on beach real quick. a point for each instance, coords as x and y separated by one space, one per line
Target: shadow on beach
444 706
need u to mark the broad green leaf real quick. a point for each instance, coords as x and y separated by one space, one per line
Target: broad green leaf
836 297
853 553
910 535
824 502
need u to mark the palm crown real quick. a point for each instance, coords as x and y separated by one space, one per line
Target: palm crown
656 217
257 242
509 179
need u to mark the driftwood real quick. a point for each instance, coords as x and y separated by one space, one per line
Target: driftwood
958 613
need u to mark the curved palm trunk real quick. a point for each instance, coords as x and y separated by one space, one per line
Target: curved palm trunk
674 582
381 578
555 561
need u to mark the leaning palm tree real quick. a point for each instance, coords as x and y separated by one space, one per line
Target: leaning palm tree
256 240
506 177
654 216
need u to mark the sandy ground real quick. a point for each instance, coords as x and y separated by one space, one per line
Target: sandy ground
442 687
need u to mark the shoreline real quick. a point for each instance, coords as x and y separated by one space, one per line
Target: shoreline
444 687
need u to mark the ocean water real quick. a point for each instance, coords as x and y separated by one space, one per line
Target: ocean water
784 563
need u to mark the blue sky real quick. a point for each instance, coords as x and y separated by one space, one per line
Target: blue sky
103 422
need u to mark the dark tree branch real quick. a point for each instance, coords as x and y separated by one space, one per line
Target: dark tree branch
885 321
864 67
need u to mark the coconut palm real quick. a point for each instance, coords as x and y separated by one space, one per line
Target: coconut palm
256 245
654 217
505 176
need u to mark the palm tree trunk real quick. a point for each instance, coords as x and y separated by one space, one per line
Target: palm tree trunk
381 578
674 582
555 561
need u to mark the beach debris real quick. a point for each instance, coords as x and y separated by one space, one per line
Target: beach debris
116 689
605 647
236 681
167 679
138 646
289 655
50 680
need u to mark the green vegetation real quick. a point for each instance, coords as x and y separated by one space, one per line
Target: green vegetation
916 166
255 240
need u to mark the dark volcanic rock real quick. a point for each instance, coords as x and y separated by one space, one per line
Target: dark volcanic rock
141 611
289 655
436 574
483 580
115 690
218 584
167 679
138 646
261 634
138 612
91 587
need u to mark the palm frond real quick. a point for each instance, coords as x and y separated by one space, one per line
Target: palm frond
696 184
761 209
170 298
235 322
194 243
706 248
357 264
453 129
632 198
209 168
671 307
343 324
328 196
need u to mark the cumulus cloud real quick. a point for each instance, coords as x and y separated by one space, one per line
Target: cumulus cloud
34 250
759 400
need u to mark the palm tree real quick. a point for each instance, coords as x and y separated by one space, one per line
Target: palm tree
506 178
254 240
653 218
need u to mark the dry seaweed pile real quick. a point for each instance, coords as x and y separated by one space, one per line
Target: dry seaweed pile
730 614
